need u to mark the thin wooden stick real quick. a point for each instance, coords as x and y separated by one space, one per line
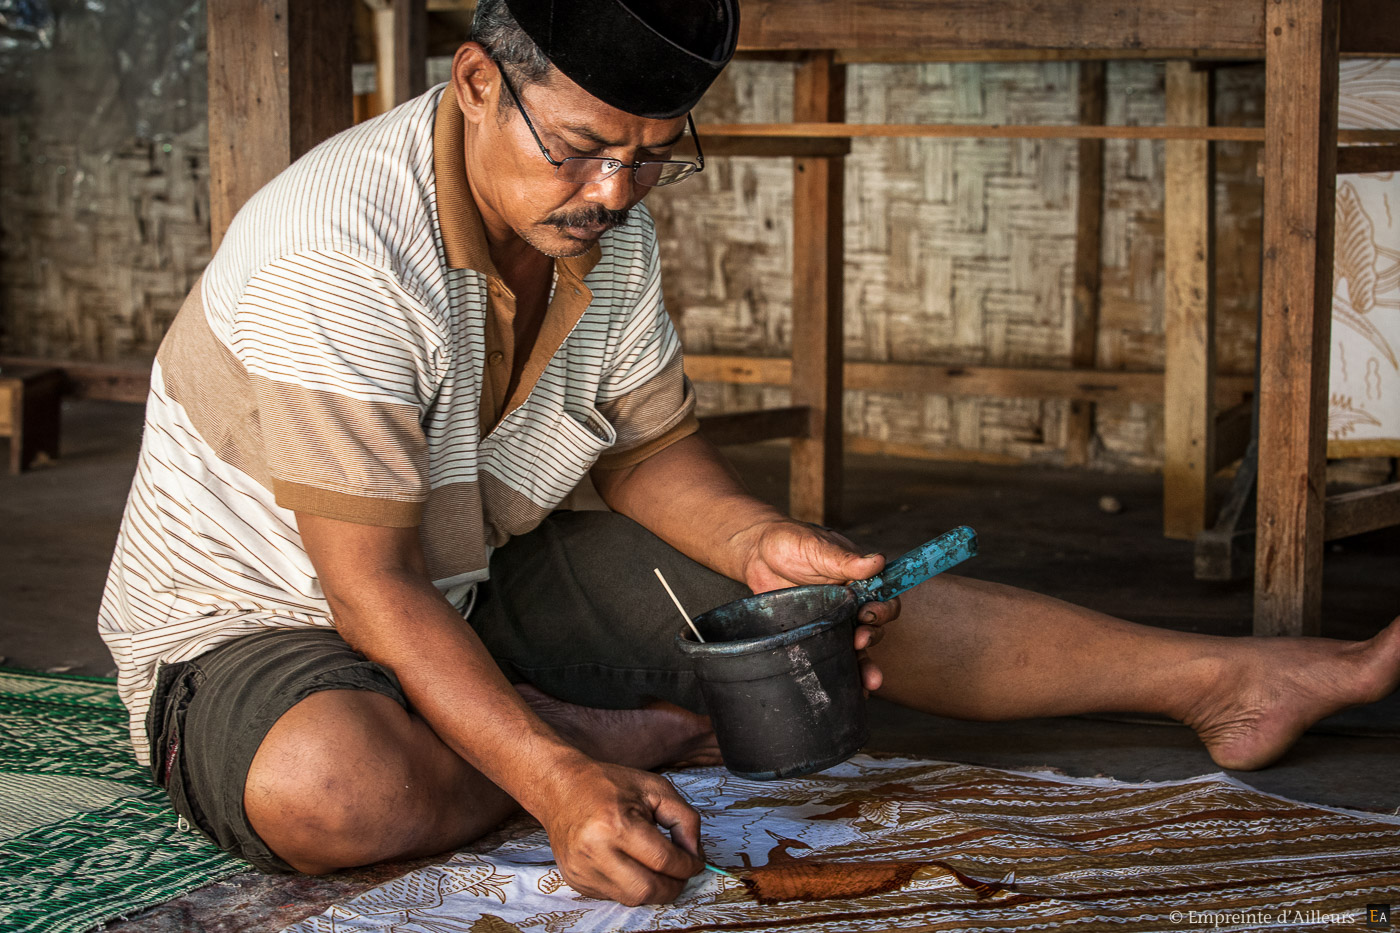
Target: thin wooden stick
681 608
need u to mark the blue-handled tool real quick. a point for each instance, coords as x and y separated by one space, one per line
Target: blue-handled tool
909 570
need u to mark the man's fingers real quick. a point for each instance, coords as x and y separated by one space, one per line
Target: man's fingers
868 636
877 613
680 818
870 676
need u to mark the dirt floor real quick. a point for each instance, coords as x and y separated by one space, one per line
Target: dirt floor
1038 528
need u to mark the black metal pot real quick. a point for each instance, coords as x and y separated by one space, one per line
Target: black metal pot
779 671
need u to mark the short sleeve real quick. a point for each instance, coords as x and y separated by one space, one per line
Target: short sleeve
645 393
343 363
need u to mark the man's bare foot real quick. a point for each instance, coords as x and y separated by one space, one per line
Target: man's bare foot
658 735
1269 693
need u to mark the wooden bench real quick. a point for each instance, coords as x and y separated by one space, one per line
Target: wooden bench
29 413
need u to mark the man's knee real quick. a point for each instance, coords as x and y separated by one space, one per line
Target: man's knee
334 786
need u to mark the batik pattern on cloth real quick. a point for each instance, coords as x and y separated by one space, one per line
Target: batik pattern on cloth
1363 412
1085 853
84 834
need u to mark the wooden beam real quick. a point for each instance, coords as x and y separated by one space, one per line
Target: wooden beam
775 146
1368 27
818 211
1352 513
1084 334
111 382
279 83
1011 24
888 56
1090 385
1359 160
1188 460
1234 429
400 51
872 445
828 130
1300 151
746 427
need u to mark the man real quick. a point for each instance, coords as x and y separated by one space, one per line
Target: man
347 625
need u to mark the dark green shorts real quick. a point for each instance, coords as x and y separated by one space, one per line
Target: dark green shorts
572 608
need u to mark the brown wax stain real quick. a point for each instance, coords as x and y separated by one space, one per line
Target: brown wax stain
814 880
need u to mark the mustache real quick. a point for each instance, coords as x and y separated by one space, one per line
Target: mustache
596 215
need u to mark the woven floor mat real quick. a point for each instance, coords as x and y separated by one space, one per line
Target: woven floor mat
943 847
84 834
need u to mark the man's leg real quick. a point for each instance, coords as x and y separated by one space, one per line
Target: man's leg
348 777
968 649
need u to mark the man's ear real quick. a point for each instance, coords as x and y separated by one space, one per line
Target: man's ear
476 81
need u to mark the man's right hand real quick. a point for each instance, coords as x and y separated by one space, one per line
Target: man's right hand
603 827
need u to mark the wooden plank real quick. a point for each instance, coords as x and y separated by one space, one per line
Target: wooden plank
400 51
110 382
1353 513
746 427
9 402
1234 429
279 83
1011 24
1084 334
818 211
385 49
1358 160
871 445
1091 385
1188 460
1368 27
828 130
888 56
775 146
1299 203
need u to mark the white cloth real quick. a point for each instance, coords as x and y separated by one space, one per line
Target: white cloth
1088 853
1363 417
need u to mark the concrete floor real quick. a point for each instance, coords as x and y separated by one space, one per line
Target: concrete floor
1038 528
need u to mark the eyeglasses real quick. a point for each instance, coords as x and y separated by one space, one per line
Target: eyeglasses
587 170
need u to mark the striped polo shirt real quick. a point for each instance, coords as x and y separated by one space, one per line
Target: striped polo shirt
348 353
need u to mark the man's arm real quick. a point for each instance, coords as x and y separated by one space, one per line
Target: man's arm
691 498
601 818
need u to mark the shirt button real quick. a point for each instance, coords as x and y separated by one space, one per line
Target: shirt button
496 357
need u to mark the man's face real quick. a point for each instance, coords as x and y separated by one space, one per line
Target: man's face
519 185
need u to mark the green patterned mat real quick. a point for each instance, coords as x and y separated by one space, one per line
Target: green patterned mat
84 834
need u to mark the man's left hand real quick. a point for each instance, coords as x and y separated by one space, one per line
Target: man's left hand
787 552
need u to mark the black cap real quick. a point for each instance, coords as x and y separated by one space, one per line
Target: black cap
650 58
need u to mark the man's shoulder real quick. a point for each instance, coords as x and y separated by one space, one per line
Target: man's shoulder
367 192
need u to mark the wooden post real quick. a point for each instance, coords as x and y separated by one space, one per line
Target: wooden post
1084 336
1300 113
1189 456
817 295
400 49
279 83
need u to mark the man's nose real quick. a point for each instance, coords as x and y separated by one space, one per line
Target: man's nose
616 192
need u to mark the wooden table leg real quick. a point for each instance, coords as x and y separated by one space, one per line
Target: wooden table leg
1088 243
1300 141
817 295
1189 391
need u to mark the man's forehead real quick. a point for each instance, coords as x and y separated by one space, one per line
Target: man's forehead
565 108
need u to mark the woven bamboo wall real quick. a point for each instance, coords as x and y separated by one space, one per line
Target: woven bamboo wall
960 251
99 249
956 251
